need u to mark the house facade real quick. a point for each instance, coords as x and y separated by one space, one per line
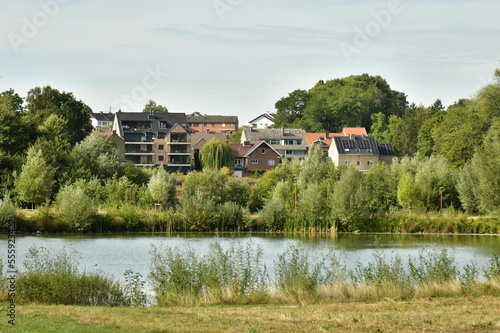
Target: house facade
359 151
288 142
212 124
101 119
251 157
160 139
265 120
198 140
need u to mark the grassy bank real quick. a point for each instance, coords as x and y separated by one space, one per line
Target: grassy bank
131 218
431 315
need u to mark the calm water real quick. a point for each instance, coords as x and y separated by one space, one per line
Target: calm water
114 254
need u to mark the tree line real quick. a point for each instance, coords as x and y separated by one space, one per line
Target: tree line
48 160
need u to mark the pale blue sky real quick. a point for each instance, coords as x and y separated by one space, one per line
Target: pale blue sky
239 57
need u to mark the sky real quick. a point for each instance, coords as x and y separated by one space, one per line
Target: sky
239 57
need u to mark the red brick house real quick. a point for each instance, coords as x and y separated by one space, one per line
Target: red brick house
258 156
212 124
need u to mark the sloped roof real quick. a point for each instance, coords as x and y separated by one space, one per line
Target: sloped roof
240 150
264 115
196 137
211 119
326 138
356 145
361 131
171 119
101 116
386 149
260 134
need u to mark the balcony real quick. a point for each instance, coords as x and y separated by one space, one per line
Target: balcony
179 152
179 161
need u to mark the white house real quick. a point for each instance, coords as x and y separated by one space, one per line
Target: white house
265 120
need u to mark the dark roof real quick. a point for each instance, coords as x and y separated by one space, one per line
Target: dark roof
101 116
211 119
171 119
241 150
386 149
356 145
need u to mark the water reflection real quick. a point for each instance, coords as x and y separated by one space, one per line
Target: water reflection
113 254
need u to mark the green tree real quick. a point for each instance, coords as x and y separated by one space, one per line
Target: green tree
350 200
349 102
7 210
95 156
381 186
486 165
76 209
35 181
290 109
43 102
53 140
152 107
467 188
216 154
162 189
408 193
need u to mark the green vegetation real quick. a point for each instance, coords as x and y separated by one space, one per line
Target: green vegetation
445 178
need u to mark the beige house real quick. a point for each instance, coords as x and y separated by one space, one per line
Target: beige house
362 152
288 142
160 139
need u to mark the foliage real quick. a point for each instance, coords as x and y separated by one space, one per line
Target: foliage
232 217
216 154
200 213
486 165
34 183
43 102
210 184
466 186
350 200
274 215
152 107
54 278
7 210
76 209
290 109
162 189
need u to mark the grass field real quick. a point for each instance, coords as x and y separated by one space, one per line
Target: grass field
430 315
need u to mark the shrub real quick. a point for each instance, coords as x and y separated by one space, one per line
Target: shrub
7 210
75 208
274 215
232 216
200 213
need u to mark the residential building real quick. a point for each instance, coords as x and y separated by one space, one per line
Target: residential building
155 139
251 157
212 124
101 119
361 152
325 138
288 142
265 120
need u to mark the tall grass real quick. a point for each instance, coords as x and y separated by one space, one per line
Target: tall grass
180 276
54 278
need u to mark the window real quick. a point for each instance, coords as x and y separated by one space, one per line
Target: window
160 158
297 132
213 124
238 162
231 125
275 131
161 147
161 135
163 124
271 162
254 161
274 142
369 163
347 162
287 132
263 150
196 125
289 152
223 124
358 163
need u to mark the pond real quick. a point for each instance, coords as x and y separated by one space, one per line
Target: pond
113 254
